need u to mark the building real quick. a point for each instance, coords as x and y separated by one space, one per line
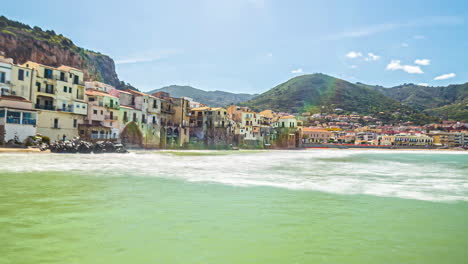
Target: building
315 135
289 132
413 140
17 119
59 96
102 120
211 126
5 75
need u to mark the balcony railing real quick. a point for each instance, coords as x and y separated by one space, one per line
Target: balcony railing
65 109
57 77
168 111
108 117
45 107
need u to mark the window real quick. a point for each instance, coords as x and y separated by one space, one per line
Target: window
49 88
125 117
48 73
21 74
134 117
62 76
56 123
2 77
27 74
102 112
13 117
65 89
154 120
75 123
95 111
69 90
76 79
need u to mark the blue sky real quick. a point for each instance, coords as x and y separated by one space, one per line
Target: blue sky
253 45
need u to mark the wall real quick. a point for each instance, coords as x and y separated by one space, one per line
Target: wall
46 123
22 131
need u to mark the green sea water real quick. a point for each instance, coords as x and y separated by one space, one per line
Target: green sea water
313 206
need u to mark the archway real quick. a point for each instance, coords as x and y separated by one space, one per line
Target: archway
131 135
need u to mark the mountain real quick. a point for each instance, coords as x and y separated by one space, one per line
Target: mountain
22 43
448 102
211 98
320 92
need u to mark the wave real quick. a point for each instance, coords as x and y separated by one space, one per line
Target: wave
430 176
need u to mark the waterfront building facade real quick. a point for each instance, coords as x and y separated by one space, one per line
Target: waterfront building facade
17 119
59 96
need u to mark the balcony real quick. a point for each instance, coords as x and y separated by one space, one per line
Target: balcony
45 107
57 77
66 109
108 117
168 111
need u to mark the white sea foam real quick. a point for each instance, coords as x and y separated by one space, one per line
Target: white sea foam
434 176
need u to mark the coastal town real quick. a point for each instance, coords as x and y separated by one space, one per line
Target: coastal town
59 104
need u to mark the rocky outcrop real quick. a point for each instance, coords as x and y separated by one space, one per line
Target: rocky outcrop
23 43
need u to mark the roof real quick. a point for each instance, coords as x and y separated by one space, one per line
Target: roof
14 98
287 117
125 92
267 113
200 108
98 93
310 129
129 107
67 68
136 92
217 108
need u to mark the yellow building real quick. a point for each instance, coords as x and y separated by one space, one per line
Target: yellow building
59 95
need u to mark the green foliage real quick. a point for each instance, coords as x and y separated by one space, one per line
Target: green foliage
447 102
322 93
45 139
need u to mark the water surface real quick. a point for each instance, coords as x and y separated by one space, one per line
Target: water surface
313 206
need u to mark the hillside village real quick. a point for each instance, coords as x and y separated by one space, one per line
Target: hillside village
57 104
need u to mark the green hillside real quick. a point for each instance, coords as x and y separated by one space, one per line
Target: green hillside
211 98
447 102
320 92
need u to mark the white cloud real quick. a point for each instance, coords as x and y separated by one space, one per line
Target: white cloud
353 54
372 57
445 76
269 55
396 65
404 44
423 62
353 66
419 37
423 84
297 71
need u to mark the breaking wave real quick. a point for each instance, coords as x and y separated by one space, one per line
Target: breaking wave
428 175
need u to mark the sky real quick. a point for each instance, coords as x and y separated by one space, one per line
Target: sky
250 46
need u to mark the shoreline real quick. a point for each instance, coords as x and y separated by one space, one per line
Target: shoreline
37 150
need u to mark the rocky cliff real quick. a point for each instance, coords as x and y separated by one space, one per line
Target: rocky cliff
23 43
